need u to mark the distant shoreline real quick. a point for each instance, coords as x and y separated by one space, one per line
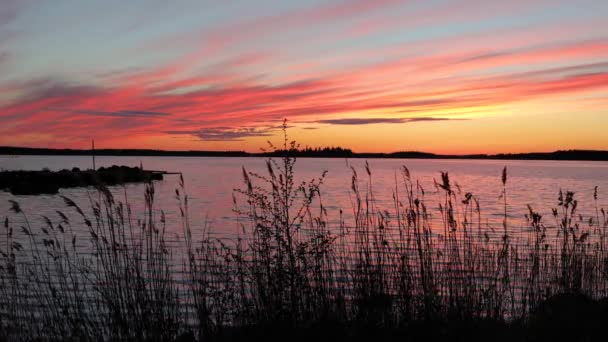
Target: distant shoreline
565 155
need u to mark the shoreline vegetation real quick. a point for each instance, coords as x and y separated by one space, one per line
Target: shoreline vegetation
413 271
327 152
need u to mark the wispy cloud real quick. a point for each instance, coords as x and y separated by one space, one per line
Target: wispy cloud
4 57
371 121
226 133
9 10
125 113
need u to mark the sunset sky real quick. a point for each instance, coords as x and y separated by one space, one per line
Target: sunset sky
470 76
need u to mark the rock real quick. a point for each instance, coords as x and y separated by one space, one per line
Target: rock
49 182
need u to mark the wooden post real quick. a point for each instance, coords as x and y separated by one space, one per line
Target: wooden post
93 153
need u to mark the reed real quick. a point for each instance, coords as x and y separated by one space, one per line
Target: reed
115 285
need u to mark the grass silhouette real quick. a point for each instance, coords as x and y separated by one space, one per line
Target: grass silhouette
408 273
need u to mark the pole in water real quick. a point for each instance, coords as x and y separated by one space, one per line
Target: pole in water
93 153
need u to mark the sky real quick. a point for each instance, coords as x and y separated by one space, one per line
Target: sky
469 76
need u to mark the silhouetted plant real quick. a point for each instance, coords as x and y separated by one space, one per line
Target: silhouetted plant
288 268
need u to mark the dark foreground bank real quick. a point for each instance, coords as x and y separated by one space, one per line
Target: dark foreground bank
564 317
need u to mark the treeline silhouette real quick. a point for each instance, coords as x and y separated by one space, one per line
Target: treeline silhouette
318 152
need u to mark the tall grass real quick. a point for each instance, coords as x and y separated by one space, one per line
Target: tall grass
388 268
116 285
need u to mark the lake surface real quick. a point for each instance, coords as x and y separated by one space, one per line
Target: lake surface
210 182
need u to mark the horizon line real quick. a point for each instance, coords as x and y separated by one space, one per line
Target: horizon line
323 152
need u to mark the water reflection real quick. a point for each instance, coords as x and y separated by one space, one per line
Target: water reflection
210 183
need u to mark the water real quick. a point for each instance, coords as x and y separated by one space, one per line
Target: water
210 182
